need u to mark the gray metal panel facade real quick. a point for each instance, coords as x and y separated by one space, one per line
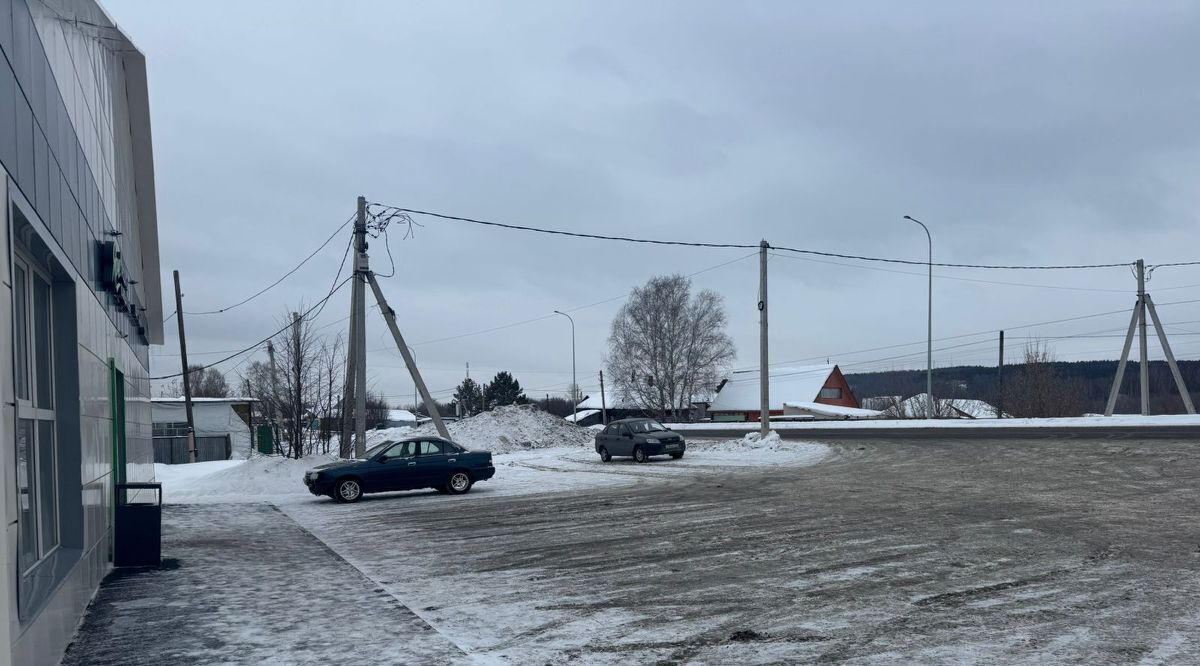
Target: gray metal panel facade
75 166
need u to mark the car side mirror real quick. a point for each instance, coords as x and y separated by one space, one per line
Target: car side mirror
382 459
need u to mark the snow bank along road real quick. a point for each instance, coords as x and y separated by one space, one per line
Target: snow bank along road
896 551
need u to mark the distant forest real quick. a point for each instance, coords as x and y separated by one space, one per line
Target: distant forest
1077 387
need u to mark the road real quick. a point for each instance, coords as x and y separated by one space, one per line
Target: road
891 552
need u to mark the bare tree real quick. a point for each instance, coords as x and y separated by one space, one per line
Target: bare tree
292 393
332 362
1037 390
204 382
668 347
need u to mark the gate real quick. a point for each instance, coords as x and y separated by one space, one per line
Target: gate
174 450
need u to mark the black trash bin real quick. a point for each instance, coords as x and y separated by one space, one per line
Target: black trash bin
138 538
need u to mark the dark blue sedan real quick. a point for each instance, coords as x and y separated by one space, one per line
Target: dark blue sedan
408 464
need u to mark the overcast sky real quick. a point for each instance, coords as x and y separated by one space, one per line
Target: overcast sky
1026 133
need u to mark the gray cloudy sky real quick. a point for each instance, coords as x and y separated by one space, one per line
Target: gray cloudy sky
1019 132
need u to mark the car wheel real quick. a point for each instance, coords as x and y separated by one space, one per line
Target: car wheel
458 483
605 456
677 456
348 490
639 454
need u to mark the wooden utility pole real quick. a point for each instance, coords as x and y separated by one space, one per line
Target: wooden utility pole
345 444
360 344
764 377
297 397
187 384
274 398
354 397
603 402
1000 380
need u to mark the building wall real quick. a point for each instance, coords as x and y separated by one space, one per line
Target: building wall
69 161
838 381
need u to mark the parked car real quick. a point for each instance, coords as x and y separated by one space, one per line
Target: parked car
639 438
407 464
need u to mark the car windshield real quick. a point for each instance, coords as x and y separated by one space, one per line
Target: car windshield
647 426
377 449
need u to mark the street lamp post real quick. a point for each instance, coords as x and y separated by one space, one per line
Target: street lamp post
574 384
929 325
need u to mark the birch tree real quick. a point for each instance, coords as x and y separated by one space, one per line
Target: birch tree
668 347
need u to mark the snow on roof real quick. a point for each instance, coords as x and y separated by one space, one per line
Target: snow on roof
833 411
581 415
401 415
610 401
799 384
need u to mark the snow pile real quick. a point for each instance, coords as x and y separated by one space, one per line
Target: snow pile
508 429
755 440
258 478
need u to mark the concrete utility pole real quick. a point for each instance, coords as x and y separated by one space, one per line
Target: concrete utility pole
1143 305
764 377
389 315
1143 366
603 402
1000 380
574 382
187 384
933 410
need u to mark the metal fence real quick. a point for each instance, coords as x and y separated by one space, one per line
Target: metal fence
174 450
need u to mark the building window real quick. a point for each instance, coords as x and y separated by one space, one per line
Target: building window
37 465
831 393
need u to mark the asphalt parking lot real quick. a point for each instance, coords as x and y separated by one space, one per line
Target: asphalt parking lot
886 552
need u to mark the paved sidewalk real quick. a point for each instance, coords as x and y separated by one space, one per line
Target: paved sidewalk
245 585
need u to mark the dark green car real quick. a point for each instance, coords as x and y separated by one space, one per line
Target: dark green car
638 439
408 464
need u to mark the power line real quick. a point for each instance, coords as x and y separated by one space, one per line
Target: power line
949 277
628 239
264 340
281 279
550 316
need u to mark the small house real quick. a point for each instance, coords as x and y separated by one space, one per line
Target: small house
222 427
738 398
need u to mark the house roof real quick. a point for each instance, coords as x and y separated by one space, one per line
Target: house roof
610 401
581 415
401 415
795 384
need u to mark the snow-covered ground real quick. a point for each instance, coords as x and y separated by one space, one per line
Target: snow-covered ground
1095 421
550 469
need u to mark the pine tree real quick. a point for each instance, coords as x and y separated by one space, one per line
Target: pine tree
470 395
504 390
